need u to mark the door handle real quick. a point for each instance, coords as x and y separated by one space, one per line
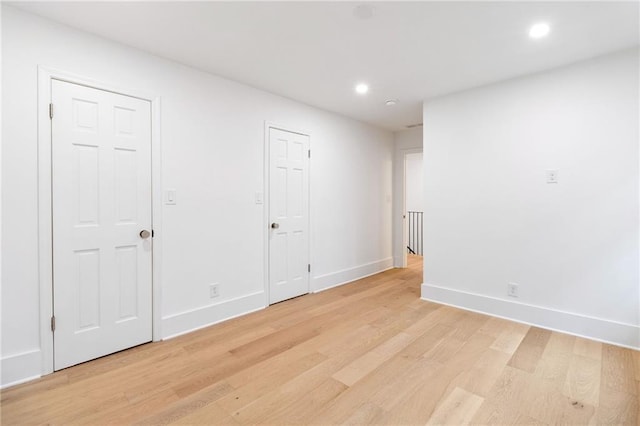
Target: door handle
145 234
275 225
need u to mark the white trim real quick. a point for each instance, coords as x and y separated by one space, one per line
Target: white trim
156 215
194 319
45 267
638 118
45 254
1 127
345 276
267 165
600 329
20 368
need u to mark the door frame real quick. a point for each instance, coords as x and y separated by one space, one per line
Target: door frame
267 168
45 207
403 214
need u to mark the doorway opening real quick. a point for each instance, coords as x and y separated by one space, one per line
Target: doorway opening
413 208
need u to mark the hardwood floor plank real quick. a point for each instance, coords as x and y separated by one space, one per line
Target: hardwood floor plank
618 370
302 409
636 361
446 348
287 394
121 414
418 406
524 420
210 414
223 343
618 408
485 372
249 389
528 354
275 343
583 380
367 414
368 362
467 324
381 386
186 406
495 326
549 405
588 348
510 337
505 402
457 409
554 361
29 389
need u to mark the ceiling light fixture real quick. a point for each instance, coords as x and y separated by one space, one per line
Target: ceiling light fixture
391 102
539 30
362 88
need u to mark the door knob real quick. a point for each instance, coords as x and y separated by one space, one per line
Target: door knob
145 234
275 225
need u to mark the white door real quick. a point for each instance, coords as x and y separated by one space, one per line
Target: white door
101 174
288 214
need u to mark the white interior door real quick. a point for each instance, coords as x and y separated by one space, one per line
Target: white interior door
288 214
101 191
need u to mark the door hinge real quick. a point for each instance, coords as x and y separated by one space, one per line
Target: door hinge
53 323
309 153
309 267
51 111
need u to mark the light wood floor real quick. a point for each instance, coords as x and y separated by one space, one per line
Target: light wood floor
369 352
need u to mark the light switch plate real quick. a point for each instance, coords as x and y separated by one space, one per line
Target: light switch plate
552 176
259 197
170 197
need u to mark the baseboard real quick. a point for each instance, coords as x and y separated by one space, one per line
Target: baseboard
335 279
194 319
20 368
603 330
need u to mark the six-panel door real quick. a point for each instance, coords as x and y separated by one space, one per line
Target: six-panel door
101 191
289 215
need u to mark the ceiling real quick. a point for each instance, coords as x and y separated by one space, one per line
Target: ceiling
315 52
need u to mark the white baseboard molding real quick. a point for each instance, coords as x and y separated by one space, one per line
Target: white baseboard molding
335 279
603 330
20 368
195 319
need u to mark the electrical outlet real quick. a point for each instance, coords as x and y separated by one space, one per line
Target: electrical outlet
213 290
512 290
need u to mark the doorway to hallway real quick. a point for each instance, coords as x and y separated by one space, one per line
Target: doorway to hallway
413 208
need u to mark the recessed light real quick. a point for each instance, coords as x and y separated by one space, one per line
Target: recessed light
362 88
539 30
391 102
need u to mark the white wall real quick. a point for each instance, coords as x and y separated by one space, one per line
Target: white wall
491 218
406 141
212 153
414 178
